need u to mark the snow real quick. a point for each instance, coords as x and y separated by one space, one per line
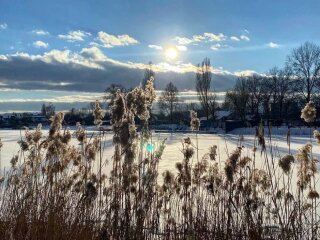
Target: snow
296 131
226 144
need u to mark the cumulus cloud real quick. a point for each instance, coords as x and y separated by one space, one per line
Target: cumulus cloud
215 37
3 26
245 38
110 41
273 45
74 36
218 46
90 70
183 40
157 47
93 53
245 73
40 44
234 38
40 32
200 38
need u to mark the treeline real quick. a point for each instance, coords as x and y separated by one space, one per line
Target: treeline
170 107
280 93
276 96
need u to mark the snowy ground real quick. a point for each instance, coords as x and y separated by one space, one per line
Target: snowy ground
226 144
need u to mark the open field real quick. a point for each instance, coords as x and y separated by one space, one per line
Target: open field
226 143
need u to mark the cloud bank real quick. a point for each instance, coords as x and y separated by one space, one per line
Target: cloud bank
90 70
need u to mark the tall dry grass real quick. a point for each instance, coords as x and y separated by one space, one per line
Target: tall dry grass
56 189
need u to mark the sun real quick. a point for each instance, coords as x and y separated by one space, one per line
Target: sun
171 53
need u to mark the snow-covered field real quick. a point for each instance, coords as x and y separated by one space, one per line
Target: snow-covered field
226 144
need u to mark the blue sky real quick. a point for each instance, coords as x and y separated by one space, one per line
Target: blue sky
62 46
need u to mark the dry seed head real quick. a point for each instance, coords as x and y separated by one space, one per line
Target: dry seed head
313 194
90 152
187 140
289 197
195 122
285 163
98 115
188 152
213 152
118 108
14 160
309 112
150 91
23 145
80 133
316 135
168 177
244 161
179 166
56 124
66 137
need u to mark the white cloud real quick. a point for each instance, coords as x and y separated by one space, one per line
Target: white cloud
273 45
245 73
211 37
215 46
157 47
234 38
93 53
74 71
198 38
40 32
183 40
74 36
215 37
218 46
3 26
181 48
244 37
110 41
40 44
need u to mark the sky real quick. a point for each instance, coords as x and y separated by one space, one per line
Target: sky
67 52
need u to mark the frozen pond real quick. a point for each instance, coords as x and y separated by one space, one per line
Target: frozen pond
226 144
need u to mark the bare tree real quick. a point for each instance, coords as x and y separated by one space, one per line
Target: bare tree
169 99
281 86
148 73
48 110
305 63
91 107
110 92
237 100
255 84
203 86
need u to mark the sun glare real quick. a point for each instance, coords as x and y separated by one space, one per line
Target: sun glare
171 53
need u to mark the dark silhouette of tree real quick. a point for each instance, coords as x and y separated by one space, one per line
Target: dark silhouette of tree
236 100
281 87
203 86
256 88
148 73
110 92
48 110
169 99
305 64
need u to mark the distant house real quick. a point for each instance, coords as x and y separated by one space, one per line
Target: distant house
15 120
37 118
219 122
8 116
221 117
